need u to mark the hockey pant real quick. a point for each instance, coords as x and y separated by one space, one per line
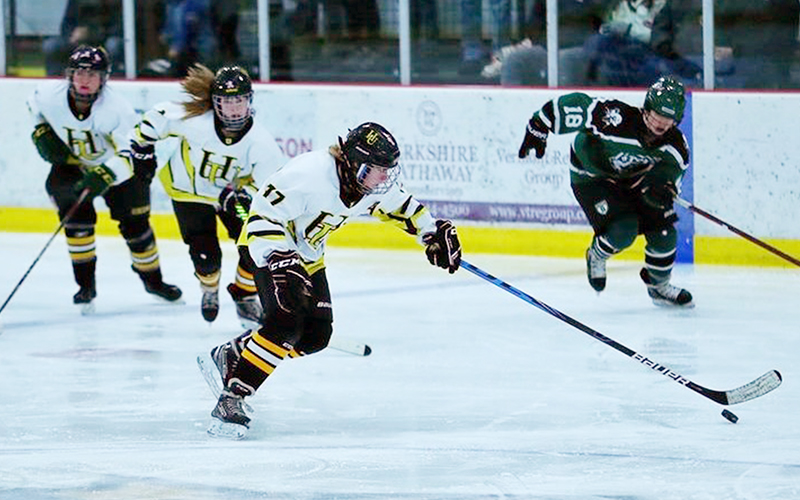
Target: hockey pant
128 204
283 334
618 215
198 226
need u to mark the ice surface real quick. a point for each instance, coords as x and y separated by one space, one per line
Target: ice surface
469 392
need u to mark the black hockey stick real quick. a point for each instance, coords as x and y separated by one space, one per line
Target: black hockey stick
66 218
758 387
735 230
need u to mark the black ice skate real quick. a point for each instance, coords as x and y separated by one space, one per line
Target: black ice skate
666 295
154 285
226 357
85 299
209 305
595 270
248 307
230 419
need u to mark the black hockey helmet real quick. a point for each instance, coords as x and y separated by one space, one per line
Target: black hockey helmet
667 97
232 84
88 58
371 145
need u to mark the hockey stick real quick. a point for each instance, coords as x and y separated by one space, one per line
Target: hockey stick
339 344
66 218
758 387
735 230
349 346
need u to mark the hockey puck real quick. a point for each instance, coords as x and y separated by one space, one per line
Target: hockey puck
730 416
367 350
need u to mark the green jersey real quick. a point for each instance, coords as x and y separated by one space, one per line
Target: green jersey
613 142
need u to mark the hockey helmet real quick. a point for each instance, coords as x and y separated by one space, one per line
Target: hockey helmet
232 96
370 146
92 59
667 98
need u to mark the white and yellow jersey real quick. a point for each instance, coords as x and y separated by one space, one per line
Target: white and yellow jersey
299 206
94 139
204 161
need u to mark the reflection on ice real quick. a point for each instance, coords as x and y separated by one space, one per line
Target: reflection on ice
469 392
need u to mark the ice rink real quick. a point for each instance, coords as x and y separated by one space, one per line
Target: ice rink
470 392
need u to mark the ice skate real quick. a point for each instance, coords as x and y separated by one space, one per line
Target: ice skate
85 299
248 307
666 295
595 270
209 306
230 420
154 285
170 293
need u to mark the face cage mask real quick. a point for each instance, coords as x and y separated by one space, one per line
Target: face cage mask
85 98
236 123
363 171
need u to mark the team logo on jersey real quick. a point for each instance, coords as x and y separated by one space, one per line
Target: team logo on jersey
81 142
212 170
626 162
613 117
601 207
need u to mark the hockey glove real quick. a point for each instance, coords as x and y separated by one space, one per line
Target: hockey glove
235 202
658 194
96 178
144 162
292 285
442 247
51 148
535 138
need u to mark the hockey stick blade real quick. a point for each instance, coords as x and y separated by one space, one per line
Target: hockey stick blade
349 346
757 388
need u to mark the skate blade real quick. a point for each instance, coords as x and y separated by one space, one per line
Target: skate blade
87 309
210 374
666 304
213 378
226 430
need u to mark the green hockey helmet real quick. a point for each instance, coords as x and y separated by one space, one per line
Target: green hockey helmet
667 97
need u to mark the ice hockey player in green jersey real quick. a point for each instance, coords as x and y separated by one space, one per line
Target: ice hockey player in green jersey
626 168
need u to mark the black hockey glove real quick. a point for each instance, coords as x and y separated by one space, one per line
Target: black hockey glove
96 178
292 285
144 161
442 247
51 148
535 138
657 193
235 202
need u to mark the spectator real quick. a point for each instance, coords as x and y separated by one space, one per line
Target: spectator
762 39
189 34
225 16
86 22
620 53
677 38
474 55
526 62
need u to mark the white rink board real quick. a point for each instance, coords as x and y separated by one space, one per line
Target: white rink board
459 146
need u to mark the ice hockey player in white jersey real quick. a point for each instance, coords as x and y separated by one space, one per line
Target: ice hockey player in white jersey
79 123
221 158
289 222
